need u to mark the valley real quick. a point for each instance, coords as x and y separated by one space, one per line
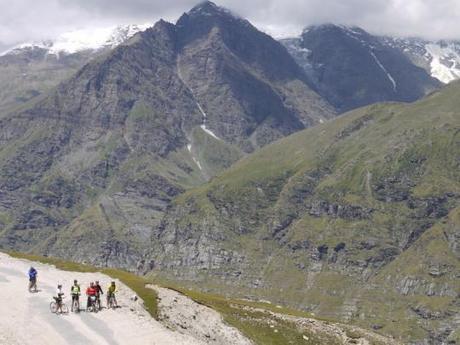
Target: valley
320 173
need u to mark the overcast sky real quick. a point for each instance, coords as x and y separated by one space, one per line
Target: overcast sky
29 20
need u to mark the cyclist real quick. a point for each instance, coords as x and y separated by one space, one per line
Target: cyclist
98 292
58 297
33 279
75 292
90 292
112 288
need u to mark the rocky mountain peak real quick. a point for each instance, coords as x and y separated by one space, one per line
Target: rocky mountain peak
351 67
208 8
332 26
209 13
163 27
338 31
204 6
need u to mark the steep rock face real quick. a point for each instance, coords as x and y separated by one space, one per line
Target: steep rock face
246 98
352 68
104 128
32 69
335 220
92 167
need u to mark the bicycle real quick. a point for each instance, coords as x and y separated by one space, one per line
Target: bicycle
111 301
97 304
58 305
92 307
75 303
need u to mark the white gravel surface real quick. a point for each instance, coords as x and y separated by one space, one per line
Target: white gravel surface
25 318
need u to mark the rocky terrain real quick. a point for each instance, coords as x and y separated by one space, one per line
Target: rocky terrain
30 70
356 219
198 321
186 153
110 147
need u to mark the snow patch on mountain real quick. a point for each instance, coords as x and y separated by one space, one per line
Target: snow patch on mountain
389 76
440 58
83 39
445 61
203 125
208 131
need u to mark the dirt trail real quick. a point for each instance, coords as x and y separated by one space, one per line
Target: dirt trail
25 317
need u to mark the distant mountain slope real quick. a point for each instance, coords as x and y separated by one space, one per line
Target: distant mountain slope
356 219
90 168
440 58
245 82
352 68
80 40
31 69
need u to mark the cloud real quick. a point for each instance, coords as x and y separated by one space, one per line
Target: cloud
28 20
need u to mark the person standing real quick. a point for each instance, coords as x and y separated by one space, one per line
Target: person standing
58 298
111 300
32 279
99 292
90 292
75 292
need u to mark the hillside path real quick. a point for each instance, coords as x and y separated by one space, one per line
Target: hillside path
25 317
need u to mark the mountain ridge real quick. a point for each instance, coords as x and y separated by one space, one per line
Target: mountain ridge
167 110
351 68
329 218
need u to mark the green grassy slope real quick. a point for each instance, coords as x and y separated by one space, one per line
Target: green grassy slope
335 219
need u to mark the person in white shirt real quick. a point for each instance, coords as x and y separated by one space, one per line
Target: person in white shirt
58 297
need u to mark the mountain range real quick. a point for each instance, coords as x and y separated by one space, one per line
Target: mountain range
111 146
376 68
209 153
351 68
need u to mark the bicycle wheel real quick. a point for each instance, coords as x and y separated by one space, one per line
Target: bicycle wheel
95 306
53 307
75 306
64 309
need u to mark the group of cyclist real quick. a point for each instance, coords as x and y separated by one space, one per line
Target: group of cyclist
93 293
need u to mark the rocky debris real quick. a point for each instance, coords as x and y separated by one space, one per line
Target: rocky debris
335 332
428 314
57 193
154 186
298 245
434 207
355 126
393 189
35 219
319 208
197 321
411 285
